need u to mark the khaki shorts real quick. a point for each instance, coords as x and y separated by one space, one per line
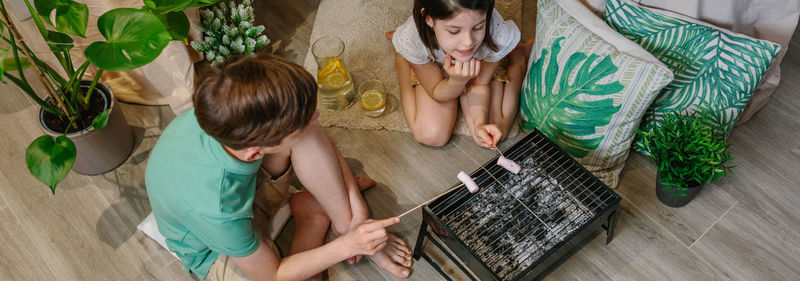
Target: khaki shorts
270 193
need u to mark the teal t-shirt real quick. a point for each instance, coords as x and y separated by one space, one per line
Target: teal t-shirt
200 195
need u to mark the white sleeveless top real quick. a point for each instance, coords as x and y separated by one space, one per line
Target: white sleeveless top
407 42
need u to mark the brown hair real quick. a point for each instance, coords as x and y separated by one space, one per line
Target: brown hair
255 101
443 9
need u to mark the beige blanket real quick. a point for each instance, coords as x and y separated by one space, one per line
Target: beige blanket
361 24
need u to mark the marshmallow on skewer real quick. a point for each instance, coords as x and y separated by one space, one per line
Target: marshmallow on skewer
509 164
468 182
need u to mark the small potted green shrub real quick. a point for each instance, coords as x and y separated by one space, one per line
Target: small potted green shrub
687 154
228 30
83 130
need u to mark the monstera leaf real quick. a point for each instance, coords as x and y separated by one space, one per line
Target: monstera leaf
50 159
59 42
134 38
570 112
167 6
177 25
71 16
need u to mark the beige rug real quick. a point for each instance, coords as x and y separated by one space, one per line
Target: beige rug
361 24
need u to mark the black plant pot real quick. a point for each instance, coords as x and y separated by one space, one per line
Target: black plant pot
670 195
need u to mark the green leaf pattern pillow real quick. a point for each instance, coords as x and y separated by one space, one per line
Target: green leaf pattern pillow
715 71
582 92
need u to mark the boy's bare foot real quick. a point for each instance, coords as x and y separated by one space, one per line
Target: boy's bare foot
394 258
364 183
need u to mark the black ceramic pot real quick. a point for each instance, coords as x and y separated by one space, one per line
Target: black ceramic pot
672 196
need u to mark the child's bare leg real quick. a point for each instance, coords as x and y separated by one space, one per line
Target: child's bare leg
311 224
505 97
394 258
431 122
357 205
277 163
317 166
354 187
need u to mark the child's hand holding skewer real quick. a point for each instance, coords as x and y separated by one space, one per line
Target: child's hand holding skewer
369 237
487 135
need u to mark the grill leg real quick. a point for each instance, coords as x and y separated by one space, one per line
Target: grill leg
613 218
423 229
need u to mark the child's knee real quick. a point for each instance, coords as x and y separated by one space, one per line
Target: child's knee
431 137
306 208
518 56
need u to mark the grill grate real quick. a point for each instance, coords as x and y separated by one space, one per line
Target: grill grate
515 220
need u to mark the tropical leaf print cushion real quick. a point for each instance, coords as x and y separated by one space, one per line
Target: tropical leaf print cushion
715 70
587 87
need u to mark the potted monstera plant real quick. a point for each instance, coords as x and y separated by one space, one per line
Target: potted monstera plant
85 132
688 155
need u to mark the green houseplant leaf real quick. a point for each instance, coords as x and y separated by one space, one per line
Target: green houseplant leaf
101 120
59 42
134 38
50 159
71 16
169 6
3 53
10 65
177 25
550 106
686 150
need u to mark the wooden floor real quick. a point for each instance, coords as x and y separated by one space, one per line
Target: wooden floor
743 227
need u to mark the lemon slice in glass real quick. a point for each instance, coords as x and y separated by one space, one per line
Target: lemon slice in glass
333 74
335 80
372 100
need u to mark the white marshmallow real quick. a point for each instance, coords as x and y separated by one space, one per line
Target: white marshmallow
468 182
509 164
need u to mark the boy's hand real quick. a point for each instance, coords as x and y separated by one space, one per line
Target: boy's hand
369 237
487 135
461 71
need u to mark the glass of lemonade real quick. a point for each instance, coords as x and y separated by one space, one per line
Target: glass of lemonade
336 89
372 96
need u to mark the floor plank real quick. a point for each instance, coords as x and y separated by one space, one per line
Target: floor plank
19 259
578 267
3 204
290 34
747 247
643 250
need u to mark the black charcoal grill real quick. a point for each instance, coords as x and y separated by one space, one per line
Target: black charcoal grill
520 227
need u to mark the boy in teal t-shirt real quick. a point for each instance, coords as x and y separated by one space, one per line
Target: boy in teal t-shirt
201 180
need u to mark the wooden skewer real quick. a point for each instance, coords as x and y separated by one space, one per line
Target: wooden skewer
434 198
498 151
